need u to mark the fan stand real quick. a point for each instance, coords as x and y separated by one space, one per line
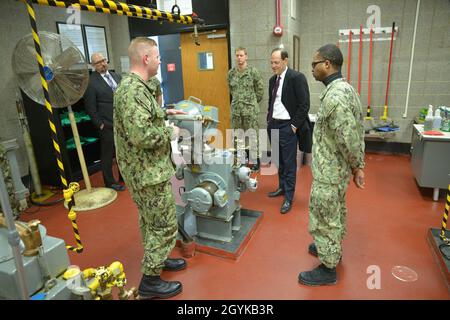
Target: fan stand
89 198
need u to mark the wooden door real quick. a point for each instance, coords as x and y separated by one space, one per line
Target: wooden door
210 86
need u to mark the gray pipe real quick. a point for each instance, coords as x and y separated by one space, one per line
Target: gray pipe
13 240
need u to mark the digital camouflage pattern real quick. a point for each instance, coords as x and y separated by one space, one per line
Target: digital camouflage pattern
247 90
327 216
155 86
4 167
338 148
144 157
338 138
158 225
141 136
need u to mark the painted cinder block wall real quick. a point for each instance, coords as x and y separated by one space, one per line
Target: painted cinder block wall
317 22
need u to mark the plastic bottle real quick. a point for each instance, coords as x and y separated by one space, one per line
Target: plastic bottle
428 125
445 124
437 120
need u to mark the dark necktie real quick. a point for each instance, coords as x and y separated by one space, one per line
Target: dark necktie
110 81
272 101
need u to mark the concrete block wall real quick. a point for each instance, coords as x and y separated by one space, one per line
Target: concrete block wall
14 24
251 26
321 20
317 22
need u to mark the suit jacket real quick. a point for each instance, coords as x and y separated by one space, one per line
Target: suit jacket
295 98
99 98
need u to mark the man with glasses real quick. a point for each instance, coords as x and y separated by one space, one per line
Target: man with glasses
337 153
98 101
287 113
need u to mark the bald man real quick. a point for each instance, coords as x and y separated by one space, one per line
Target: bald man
144 158
98 102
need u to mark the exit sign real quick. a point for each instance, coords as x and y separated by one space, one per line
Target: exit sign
171 67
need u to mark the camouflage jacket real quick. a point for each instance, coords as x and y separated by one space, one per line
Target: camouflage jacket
141 137
338 137
247 90
155 86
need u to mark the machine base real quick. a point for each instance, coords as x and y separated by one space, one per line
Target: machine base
444 265
250 220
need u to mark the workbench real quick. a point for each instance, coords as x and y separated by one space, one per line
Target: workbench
430 159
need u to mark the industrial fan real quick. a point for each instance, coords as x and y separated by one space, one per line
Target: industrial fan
65 70
41 267
67 77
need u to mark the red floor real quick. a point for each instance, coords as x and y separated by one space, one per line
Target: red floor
387 227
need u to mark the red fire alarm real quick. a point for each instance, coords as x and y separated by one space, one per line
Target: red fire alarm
171 67
278 29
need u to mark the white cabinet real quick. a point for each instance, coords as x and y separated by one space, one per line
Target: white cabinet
430 159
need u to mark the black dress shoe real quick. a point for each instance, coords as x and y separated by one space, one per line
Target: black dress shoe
154 287
287 205
116 187
319 276
174 264
276 193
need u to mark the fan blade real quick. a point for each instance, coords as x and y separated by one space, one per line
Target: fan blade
26 62
77 80
57 96
67 58
68 87
33 88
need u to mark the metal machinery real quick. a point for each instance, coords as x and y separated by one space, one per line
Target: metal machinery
33 264
213 178
20 191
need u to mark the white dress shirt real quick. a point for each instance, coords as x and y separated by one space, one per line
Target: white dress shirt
279 110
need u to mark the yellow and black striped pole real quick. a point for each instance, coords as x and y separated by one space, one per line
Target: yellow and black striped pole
51 121
119 8
445 218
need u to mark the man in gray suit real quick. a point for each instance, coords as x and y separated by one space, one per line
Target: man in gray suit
98 100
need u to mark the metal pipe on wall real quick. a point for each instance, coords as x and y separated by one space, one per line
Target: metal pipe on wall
412 59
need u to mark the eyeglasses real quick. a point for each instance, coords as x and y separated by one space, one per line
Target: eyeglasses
100 61
315 63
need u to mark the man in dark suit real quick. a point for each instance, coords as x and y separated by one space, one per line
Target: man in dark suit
287 113
98 100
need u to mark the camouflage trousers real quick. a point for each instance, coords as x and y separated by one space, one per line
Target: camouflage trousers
251 138
327 219
158 225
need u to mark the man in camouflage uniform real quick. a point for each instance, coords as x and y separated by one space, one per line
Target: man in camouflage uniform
155 89
246 88
6 171
144 158
337 153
